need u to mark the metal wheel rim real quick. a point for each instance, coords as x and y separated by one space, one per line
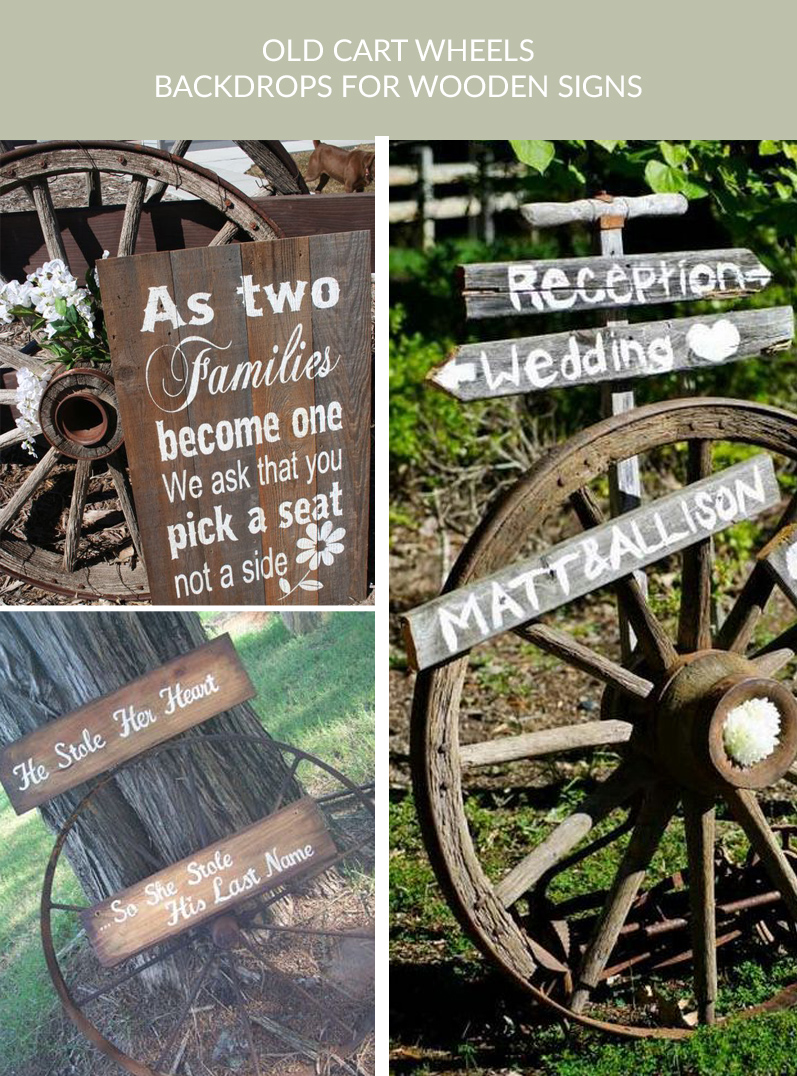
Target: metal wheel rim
70 1005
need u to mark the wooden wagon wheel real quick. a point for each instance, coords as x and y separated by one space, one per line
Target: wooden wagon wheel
559 951
271 157
247 978
85 442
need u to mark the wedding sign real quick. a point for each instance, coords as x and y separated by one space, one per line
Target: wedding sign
244 382
289 843
101 735
503 289
612 352
459 619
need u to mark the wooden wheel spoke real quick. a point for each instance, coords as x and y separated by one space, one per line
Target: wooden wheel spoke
124 493
75 522
579 656
694 621
653 640
298 990
132 972
158 190
193 994
224 235
51 230
18 360
12 437
93 188
767 664
614 791
699 826
656 811
240 1005
545 742
132 217
787 640
746 809
15 503
738 626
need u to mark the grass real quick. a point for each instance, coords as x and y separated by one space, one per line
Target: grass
477 1026
314 691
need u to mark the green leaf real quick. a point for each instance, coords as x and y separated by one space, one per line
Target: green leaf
675 155
609 144
537 153
664 179
768 148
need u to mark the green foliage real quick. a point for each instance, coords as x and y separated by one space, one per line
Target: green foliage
315 691
743 194
762 1045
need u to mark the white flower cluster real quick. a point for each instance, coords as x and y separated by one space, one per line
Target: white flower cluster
30 386
750 732
39 293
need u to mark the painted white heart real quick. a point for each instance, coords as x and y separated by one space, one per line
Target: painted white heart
714 343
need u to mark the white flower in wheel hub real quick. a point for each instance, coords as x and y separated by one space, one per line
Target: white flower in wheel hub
750 731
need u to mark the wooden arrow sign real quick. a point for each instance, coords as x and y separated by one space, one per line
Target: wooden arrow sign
454 622
780 558
64 753
289 843
502 289
611 353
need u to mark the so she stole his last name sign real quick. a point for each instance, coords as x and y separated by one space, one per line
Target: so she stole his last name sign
244 383
290 843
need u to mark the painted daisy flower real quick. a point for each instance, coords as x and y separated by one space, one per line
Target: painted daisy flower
750 732
321 545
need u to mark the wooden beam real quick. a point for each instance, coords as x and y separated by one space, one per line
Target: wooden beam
508 289
471 614
611 353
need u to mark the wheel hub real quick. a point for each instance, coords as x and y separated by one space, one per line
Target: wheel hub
710 695
78 414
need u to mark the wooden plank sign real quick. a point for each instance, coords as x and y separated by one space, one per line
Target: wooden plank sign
278 849
780 558
64 753
611 353
454 622
244 382
501 289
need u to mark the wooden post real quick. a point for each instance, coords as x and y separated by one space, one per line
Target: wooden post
625 485
425 195
487 218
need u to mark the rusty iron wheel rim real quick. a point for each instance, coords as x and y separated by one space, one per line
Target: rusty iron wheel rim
434 754
185 940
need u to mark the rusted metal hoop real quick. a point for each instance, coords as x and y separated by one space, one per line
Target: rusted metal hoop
70 1005
436 770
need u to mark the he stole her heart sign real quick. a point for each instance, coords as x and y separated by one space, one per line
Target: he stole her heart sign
244 383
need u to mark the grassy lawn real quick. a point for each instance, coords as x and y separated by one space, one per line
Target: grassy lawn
314 691
457 1015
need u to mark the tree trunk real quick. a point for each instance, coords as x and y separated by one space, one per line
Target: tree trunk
146 818
302 623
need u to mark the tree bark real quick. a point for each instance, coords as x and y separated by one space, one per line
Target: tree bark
53 663
302 623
